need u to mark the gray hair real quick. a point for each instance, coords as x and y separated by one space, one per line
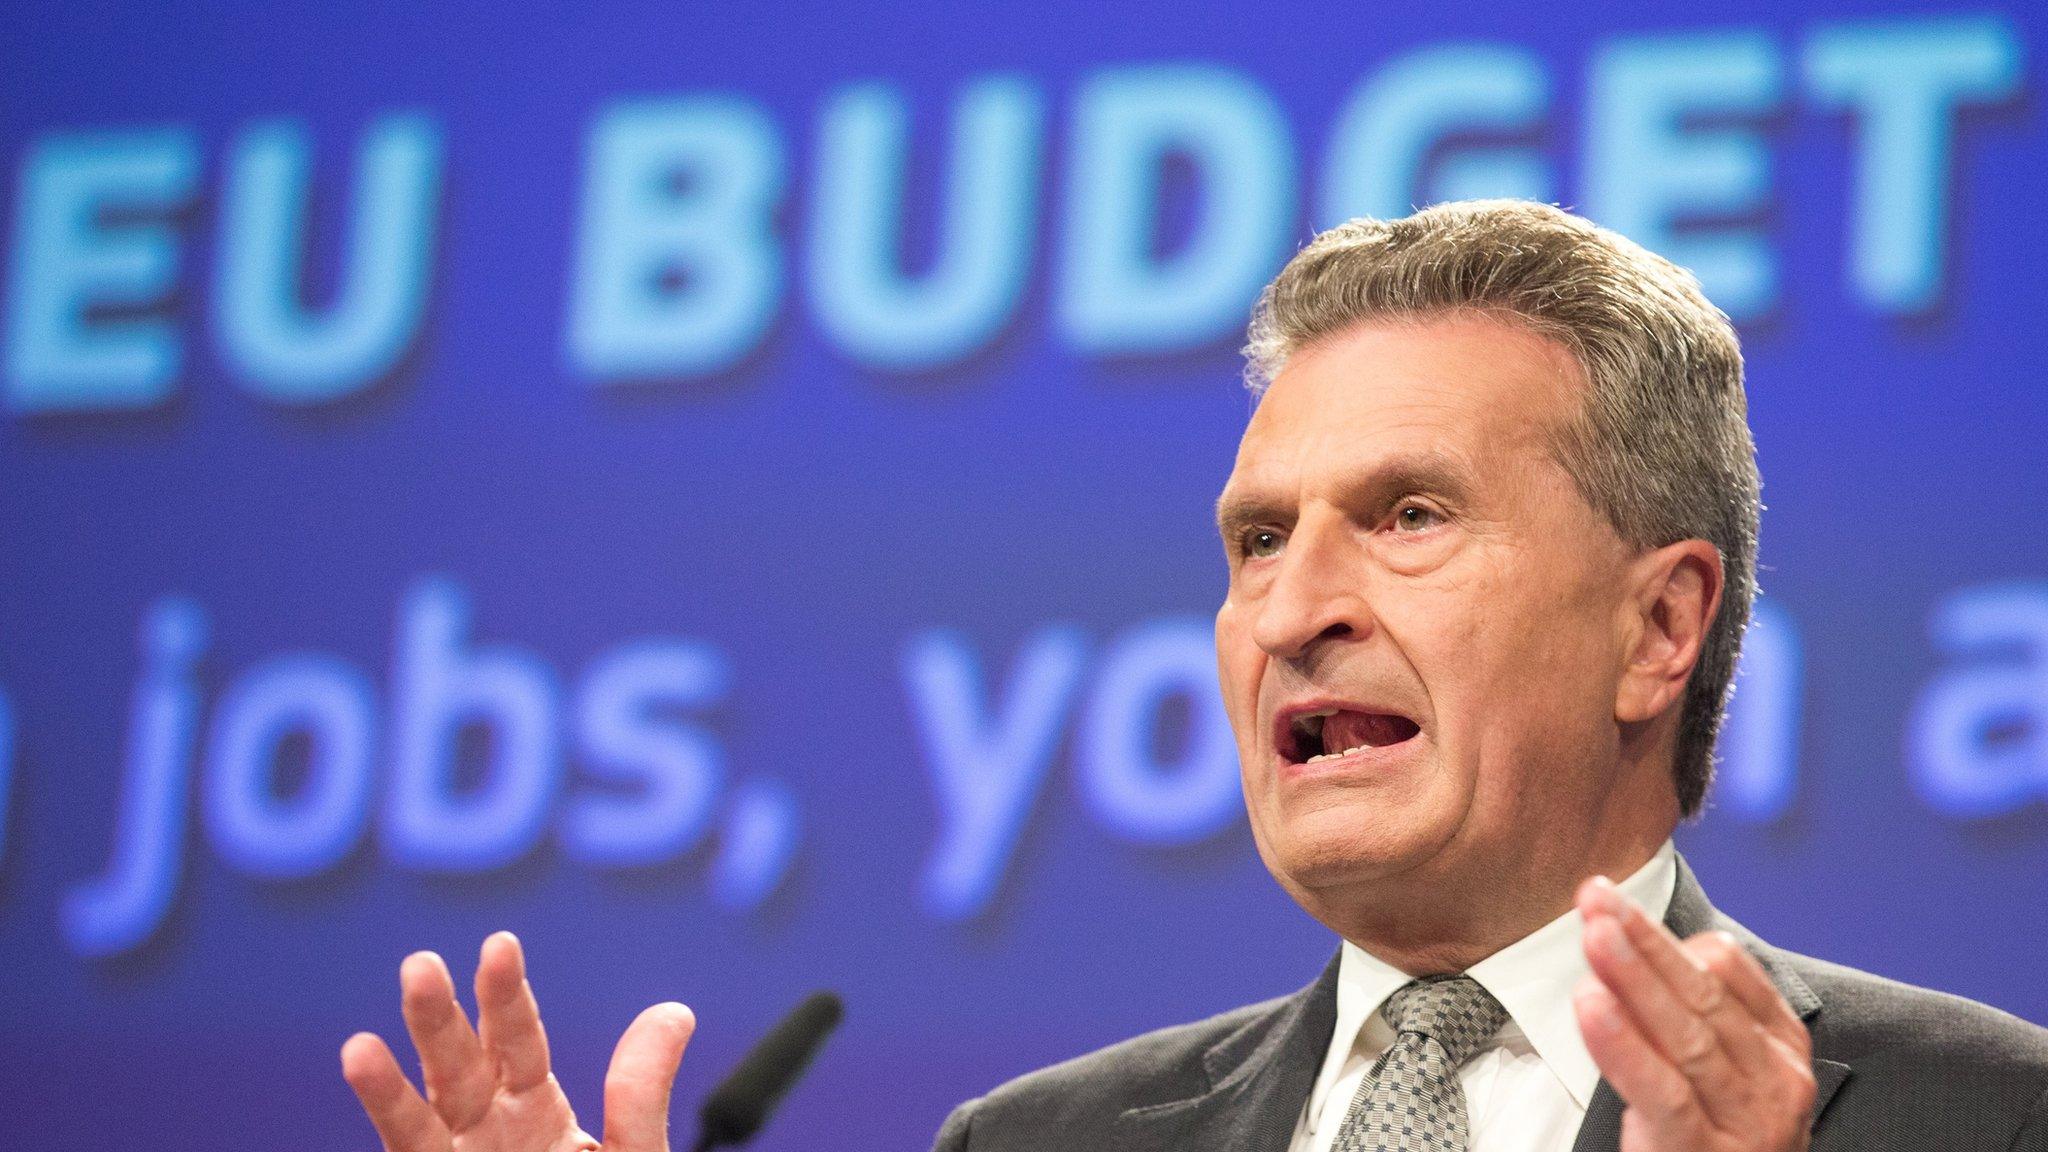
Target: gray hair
1661 447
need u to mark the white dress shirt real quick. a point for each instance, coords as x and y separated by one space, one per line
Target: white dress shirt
1527 1091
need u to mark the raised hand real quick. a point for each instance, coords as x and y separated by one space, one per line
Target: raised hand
1692 1035
490 1089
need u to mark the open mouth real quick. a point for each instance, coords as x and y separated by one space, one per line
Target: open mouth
1328 733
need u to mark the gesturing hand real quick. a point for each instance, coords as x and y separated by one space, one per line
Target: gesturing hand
1692 1035
490 1090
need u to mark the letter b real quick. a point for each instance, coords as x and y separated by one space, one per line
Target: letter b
433 820
677 271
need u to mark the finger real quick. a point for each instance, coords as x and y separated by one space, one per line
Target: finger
404 1121
509 1016
641 1077
1743 1019
1746 980
453 1066
1787 1058
1687 1039
1698 987
1658 1095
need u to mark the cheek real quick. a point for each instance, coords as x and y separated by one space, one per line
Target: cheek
1490 663
1522 631
1523 691
1240 665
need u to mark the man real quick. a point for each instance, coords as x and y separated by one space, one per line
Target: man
1491 536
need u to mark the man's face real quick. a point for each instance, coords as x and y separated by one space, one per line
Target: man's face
1424 633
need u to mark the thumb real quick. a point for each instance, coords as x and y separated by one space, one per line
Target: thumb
642 1074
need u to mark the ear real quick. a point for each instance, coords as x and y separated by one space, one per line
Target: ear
1675 592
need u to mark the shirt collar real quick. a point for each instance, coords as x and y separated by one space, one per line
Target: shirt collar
1532 978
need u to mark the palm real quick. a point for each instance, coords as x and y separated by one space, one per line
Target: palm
513 1120
490 1089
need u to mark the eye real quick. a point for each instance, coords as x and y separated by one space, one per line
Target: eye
1413 517
1260 543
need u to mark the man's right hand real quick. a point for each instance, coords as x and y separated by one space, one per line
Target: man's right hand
490 1089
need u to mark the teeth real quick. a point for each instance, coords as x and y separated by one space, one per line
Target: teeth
1335 755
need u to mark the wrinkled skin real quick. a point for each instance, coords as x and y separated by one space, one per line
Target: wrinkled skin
1406 549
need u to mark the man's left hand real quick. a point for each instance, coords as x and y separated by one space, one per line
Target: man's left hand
1691 1034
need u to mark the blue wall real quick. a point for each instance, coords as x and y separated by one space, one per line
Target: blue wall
725 494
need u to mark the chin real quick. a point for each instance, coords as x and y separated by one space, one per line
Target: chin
1350 845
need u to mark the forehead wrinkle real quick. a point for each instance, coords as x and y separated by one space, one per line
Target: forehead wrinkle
1440 418
1407 470
1431 387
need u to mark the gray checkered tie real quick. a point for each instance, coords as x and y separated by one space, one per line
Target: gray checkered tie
1411 1101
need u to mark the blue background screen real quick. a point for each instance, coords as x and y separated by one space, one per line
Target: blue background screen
724 492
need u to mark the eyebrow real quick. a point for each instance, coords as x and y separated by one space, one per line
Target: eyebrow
1426 472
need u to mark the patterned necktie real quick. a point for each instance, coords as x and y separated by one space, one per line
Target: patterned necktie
1411 1101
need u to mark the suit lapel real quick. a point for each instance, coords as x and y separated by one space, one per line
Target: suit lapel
1259 1079
1690 914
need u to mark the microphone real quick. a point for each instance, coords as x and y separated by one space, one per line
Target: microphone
740 1105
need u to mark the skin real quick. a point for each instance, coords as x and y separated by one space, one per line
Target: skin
490 1089
1402 537
1399 535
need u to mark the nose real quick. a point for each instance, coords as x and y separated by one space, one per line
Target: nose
1317 594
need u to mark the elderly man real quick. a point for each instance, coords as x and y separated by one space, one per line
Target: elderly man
1492 545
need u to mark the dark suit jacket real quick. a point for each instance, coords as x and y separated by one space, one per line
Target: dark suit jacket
1898 1067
